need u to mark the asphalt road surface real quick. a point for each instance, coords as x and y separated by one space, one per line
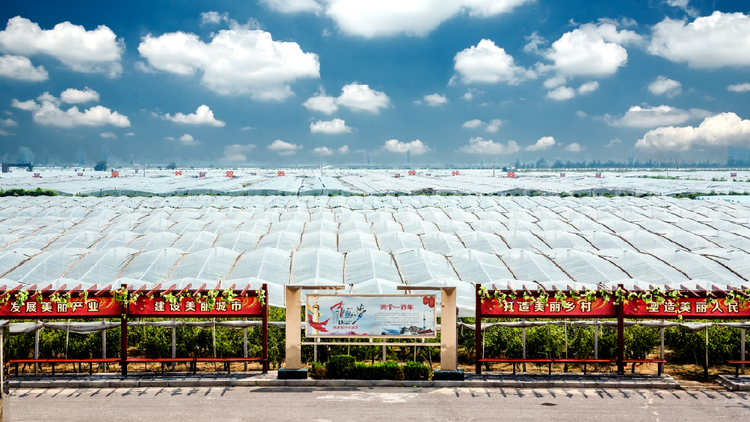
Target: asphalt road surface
375 404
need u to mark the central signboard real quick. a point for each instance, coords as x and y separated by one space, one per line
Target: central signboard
376 316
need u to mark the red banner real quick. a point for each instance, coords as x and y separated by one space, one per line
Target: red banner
98 307
189 308
570 308
687 308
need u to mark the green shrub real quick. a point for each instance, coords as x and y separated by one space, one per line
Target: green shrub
414 371
317 371
340 366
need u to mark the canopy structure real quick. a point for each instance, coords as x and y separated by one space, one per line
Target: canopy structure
372 244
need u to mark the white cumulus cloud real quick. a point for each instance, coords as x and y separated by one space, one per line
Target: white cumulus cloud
344 149
491 126
130 134
360 97
50 114
322 151
293 6
76 96
434 100
20 68
237 153
355 96
489 64
416 147
542 144
479 145
9 123
238 60
588 87
473 124
561 93
662 115
375 18
722 39
574 147
665 86
188 139
331 127
202 116
108 135
613 142
555 81
591 50
717 131
284 148
95 51
739 87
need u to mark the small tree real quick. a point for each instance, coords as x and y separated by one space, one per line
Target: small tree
171 166
101 166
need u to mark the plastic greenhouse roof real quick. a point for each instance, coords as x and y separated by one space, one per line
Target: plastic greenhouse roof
373 244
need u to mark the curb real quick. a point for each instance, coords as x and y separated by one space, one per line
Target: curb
665 383
729 384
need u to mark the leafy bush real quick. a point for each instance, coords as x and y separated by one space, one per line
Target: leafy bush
171 166
101 166
414 371
340 366
317 371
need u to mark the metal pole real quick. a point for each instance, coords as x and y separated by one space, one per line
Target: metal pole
523 341
620 337
742 348
705 371
174 345
104 346
383 351
478 329
264 332
36 347
661 350
124 341
596 344
244 343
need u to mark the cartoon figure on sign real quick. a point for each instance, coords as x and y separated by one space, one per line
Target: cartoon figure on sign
313 319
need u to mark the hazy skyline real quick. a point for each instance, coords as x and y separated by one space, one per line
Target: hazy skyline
285 82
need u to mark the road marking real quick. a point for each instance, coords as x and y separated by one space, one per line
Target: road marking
383 397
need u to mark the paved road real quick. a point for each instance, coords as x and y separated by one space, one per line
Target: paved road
368 404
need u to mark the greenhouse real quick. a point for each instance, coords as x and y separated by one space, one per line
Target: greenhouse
373 244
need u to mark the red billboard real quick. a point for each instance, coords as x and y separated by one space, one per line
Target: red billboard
552 308
97 307
189 308
687 308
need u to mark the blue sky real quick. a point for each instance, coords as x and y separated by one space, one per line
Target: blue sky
283 82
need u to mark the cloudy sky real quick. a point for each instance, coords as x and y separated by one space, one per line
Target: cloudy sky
281 82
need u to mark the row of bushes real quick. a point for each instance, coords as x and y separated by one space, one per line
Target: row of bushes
346 367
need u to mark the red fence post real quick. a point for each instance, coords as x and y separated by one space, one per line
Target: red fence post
478 330
265 329
620 337
124 338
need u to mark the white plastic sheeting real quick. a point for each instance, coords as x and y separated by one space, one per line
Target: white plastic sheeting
374 244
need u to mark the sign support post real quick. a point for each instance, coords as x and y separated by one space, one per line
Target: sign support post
293 357
448 350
